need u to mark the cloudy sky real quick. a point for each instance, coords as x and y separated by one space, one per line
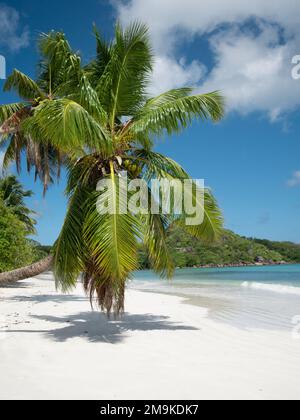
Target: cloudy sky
245 49
251 44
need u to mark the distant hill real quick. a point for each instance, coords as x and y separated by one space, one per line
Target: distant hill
288 250
231 250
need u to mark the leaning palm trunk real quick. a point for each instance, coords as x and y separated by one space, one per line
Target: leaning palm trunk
27 272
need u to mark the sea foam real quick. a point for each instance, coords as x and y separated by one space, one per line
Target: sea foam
277 288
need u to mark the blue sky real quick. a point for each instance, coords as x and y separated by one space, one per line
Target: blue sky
251 160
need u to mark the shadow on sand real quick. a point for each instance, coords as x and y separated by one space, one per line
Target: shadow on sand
95 327
15 285
49 298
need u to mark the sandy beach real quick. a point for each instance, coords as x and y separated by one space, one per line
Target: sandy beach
53 346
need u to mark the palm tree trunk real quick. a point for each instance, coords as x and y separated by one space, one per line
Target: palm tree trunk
27 272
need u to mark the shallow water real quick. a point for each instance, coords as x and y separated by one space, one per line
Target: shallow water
246 297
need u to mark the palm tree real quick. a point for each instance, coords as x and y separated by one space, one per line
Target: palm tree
13 195
100 118
42 155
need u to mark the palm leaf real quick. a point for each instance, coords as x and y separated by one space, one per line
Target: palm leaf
112 238
155 228
97 67
57 57
7 111
84 171
123 84
67 125
69 250
16 145
25 87
211 228
158 166
81 91
175 110
12 124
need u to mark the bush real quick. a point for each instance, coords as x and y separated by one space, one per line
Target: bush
15 250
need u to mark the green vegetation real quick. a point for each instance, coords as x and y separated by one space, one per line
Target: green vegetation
40 251
13 195
231 249
15 249
16 223
99 120
289 250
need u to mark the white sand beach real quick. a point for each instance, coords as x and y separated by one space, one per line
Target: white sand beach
53 346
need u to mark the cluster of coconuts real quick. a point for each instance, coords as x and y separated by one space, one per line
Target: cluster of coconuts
132 168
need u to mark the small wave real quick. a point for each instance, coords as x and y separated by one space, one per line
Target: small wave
277 288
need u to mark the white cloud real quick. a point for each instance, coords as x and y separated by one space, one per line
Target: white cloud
252 67
254 72
165 17
11 36
295 180
169 73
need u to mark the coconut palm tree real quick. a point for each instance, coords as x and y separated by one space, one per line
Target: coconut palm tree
42 155
13 195
100 118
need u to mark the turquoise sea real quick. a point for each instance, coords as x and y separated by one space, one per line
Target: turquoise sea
246 297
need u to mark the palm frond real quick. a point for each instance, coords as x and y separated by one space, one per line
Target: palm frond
7 111
175 110
56 56
122 86
97 67
54 46
13 152
46 159
211 227
112 242
84 171
112 237
25 87
9 154
103 48
67 125
155 233
157 166
69 250
81 91
12 124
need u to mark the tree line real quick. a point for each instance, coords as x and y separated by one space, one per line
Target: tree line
231 249
17 223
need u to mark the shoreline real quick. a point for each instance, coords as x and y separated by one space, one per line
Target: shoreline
161 349
282 263
239 265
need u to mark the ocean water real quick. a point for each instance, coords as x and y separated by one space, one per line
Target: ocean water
246 297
